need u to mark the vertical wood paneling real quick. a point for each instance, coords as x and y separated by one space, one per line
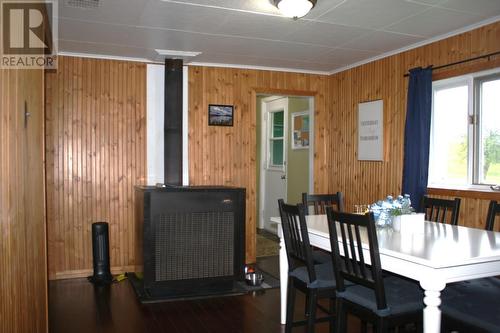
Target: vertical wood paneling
473 211
23 286
219 155
96 138
227 155
95 150
366 182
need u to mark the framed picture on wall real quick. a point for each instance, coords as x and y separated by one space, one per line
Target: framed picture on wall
220 115
300 130
371 131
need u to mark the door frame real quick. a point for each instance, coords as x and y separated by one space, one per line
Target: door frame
264 147
264 150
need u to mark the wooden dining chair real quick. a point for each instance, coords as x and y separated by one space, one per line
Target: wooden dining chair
441 210
474 306
316 281
471 306
384 301
493 212
318 202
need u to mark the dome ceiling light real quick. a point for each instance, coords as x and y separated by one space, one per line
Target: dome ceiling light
294 8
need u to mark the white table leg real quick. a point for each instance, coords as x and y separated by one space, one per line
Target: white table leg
283 275
432 301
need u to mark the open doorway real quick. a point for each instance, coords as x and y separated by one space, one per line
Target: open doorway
284 160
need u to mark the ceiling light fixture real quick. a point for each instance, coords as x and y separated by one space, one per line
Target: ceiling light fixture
294 8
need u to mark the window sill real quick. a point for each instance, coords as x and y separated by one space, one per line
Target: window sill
464 192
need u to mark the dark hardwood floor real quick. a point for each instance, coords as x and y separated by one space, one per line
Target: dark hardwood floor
76 306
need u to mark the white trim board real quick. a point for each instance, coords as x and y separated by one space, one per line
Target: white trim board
155 115
262 68
155 90
106 57
206 64
185 126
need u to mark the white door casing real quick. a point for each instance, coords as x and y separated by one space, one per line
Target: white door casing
273 178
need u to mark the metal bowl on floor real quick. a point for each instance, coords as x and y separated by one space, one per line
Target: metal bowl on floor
254 279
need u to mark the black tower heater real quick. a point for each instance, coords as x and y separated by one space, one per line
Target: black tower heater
100 254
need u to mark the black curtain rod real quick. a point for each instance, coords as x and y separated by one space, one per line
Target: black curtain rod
462 61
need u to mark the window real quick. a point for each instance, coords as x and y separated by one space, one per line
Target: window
465 131
276 139
488 100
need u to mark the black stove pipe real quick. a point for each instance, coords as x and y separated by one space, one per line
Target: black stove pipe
173 122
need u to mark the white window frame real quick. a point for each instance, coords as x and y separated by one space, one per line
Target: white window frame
272 138
473 128
477 135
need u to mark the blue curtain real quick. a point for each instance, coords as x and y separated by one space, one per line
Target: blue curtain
417 135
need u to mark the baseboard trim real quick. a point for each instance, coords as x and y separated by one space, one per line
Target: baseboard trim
77 274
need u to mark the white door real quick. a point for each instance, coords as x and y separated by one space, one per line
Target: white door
273 151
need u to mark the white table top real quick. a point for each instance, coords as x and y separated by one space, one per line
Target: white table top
440 246
434 255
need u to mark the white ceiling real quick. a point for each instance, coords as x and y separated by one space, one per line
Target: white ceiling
334 35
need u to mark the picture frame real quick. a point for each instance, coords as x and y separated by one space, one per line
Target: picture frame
371 131
300 130
220 115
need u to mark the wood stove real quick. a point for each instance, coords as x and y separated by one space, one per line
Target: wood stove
193 239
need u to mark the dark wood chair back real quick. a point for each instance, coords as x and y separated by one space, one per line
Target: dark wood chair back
352 266
441 210
298 247
493 212
320 201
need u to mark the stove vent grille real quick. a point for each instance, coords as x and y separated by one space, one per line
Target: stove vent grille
194 246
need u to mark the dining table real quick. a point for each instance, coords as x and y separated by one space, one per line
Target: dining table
434 255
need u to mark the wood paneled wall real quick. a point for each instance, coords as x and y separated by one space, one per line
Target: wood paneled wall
227 155
96 138
23 260
365 182
473 209
96 153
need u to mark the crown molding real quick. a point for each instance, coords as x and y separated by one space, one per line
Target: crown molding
262 68
107 57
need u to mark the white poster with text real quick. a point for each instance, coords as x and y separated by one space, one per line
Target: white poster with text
371 131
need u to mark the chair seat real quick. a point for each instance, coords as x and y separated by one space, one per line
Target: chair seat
324 276
402 296
321 257
475 302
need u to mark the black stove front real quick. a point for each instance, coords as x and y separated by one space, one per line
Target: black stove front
194 239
